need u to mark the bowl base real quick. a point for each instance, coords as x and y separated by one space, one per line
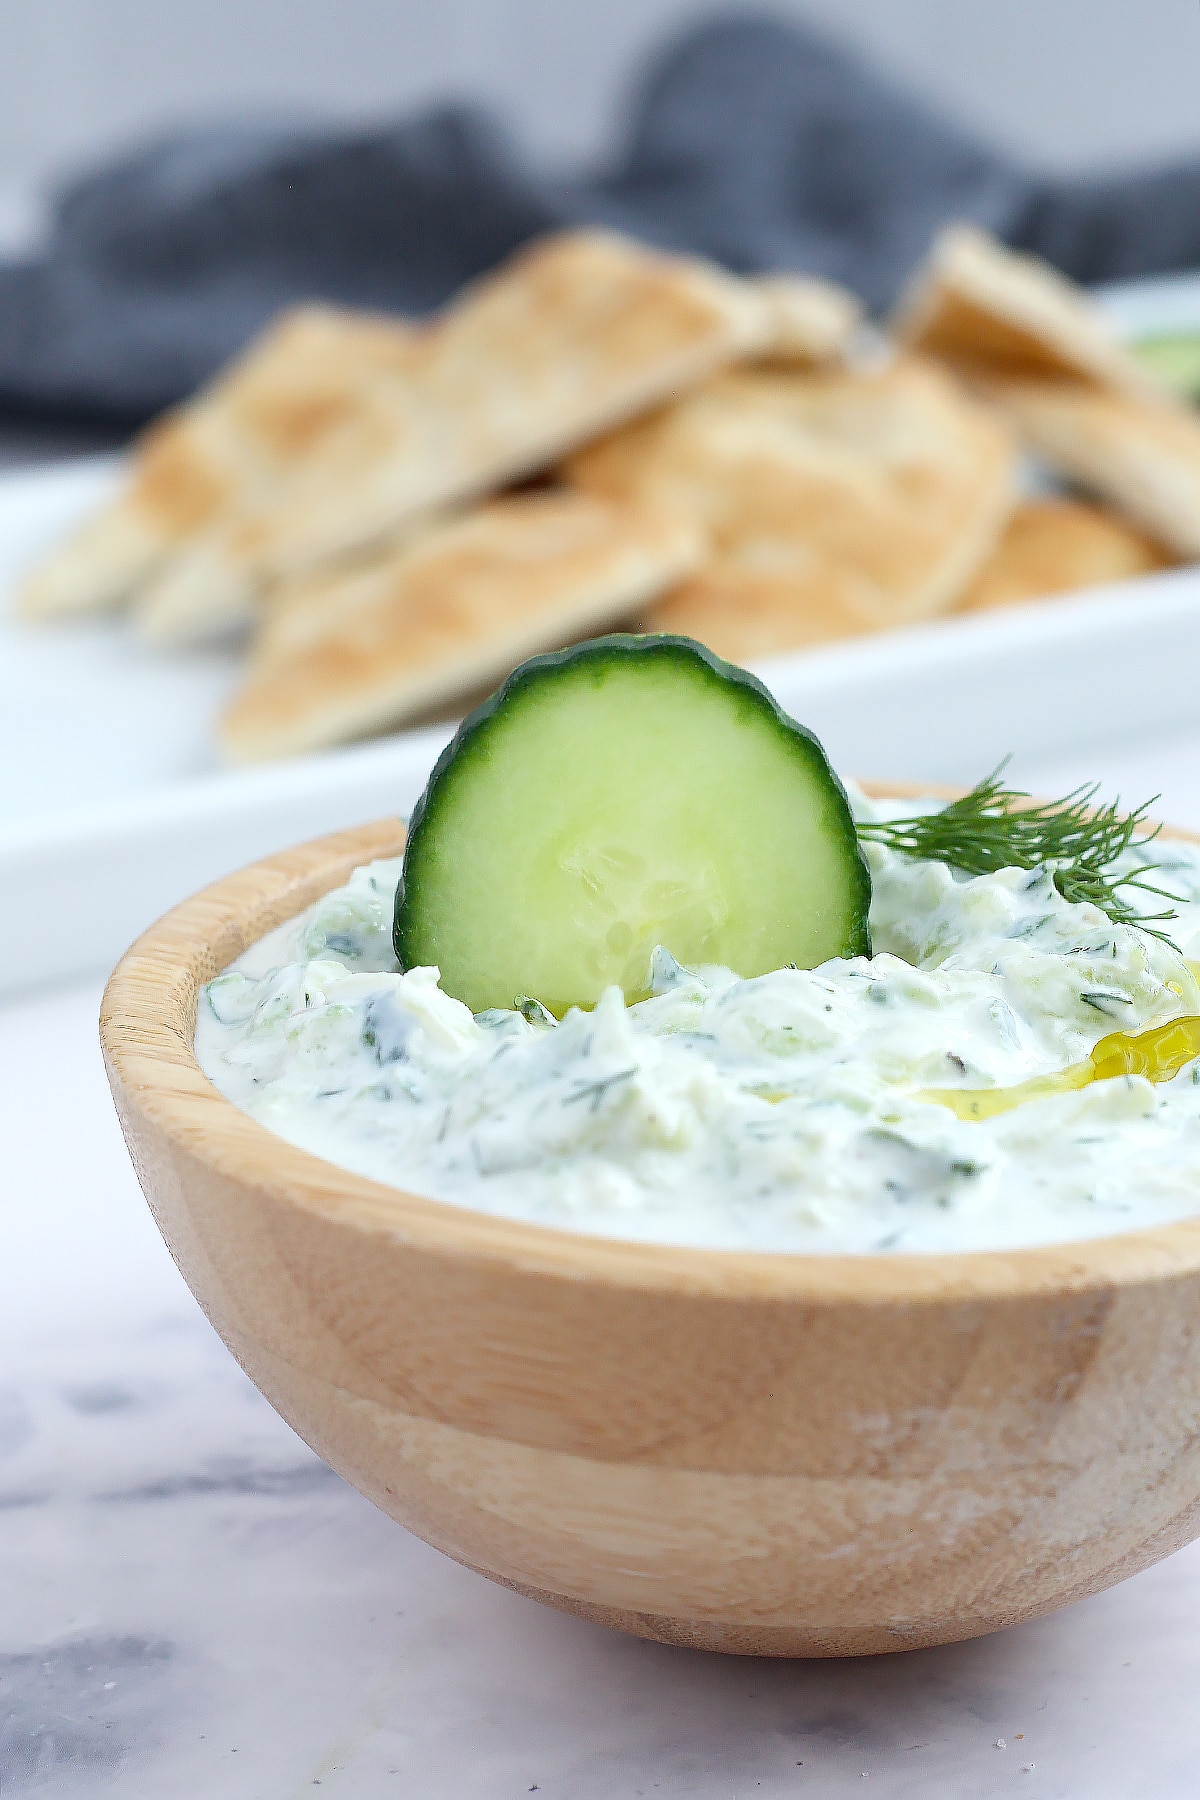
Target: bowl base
793 1641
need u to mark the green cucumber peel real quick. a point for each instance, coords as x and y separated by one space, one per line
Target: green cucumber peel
627 792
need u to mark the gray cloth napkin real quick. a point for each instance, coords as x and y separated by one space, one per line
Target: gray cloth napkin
754 142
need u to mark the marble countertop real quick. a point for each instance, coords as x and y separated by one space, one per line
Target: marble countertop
193 1605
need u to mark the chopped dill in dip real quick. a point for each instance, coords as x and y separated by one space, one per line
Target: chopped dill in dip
780 1113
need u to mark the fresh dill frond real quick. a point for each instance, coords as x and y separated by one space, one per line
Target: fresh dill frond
1077 842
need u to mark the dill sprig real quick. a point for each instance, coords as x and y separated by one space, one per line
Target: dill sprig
996 827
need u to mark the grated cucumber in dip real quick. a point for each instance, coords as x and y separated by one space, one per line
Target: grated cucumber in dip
778 1113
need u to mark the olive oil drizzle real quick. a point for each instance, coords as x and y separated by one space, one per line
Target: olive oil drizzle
1158 1053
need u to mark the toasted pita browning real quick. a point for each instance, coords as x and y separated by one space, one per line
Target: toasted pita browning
453 614
1143 456
836 502
989 310
303 386
742 460
310 608
1054 546
747 614
811 321
1035 345
573 335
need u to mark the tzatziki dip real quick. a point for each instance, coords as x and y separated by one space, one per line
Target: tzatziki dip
781 1113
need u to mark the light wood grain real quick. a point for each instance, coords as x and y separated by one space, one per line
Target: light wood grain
767 1454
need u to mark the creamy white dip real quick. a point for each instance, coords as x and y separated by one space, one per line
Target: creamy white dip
778 1113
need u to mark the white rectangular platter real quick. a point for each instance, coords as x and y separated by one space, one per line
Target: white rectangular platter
112 804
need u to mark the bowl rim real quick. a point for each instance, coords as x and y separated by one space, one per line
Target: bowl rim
147 1026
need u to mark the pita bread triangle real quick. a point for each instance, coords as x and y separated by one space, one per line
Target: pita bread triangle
452 614
575 334
1053 545
990 310
835 500
307 381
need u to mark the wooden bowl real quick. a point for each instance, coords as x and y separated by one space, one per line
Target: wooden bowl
763 1453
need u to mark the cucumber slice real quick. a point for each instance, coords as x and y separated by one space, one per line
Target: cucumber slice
629 792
